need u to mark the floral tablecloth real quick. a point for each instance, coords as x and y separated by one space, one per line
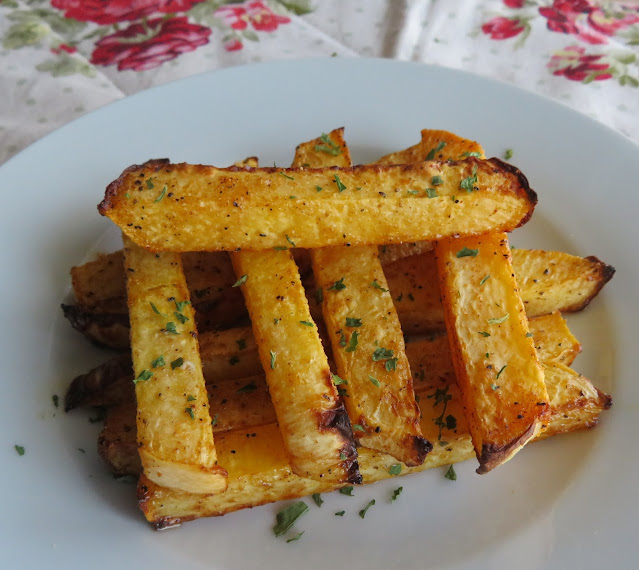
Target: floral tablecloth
62 58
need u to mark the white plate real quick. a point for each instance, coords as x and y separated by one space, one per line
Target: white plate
571 502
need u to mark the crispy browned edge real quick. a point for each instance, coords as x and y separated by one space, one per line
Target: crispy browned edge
524 185
493 455
605 271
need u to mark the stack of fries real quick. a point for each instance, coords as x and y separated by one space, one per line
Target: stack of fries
290 331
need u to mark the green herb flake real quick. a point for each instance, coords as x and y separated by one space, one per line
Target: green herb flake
214 420
240 281
494 386
319 188
289 240
127 195
159 361
436 181
144 376
484 333
155 310
19 449
329 147
363 512
342 457
296 537
434 151
342 338
247 388
287 176
342 392
338 285
160 195
170 328
395 469
500 371
466 252
293 197
189 410
337 380
396 493
352 344
431 193
353 322
280 248
180 317
374 380
177 363
181 305
499 320
412 192
317 499
340 513
348 491
358 427
285 519
484 279
391 365
277 320
381 353
307 324
378 286
469 182
191 398
508 154
529 335
56 400
241 343
273 357
468 154
450 474
149 184
340 186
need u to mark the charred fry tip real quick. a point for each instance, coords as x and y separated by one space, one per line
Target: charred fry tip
523 182
494 455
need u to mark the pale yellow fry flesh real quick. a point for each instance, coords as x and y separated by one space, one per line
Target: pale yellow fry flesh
315 427
496 364
175 438
194 208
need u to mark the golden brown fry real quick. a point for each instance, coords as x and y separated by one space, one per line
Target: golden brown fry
183 207
315 427
175 440
498 372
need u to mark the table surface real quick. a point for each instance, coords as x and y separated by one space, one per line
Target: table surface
62 58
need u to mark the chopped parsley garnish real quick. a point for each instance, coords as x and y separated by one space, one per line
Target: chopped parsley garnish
247 388
434 151
500 371
289 240
319 188
287 176
484 279
395 469
363 512
342 392
214 420
280 248
378 286
240 281
508 154
19 449
307 324
412 192
340 513
273 357
191 398
391 365
338 285
352 344
177 363
382 354
329 147
499 320
285 518
358 427
144 376
317 499
347 491
494 386
529 335
484 333
149 184
189 410
276 320
296 537
353 322
450 474
159 361
441 396
342 457
342 338
170 328
436 181
469 182
475 154
337 380
396 493
180 317
155 310
179 305
374 380
467 252
431 193
241 343
340 186
160 195
293 197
